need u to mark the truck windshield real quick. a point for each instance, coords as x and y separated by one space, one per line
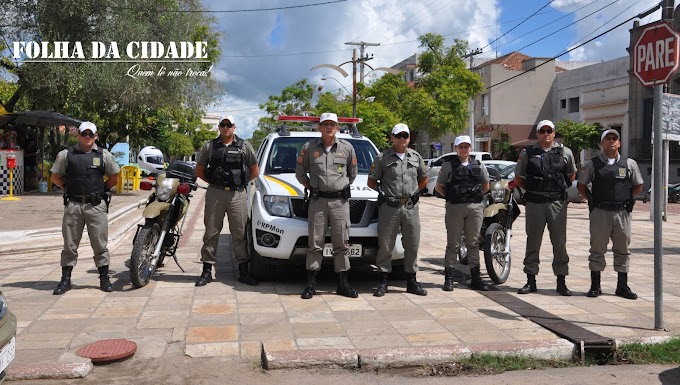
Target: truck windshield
284 152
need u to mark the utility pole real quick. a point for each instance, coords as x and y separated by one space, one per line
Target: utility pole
362 58
471 130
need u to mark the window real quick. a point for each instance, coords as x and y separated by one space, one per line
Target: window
573 105
485 104
563 103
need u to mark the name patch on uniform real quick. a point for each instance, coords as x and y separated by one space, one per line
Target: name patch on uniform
96 162
622 172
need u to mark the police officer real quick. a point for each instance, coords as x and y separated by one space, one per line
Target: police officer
463 181
326 167
398 174
79 171
227 163
615 181
545 171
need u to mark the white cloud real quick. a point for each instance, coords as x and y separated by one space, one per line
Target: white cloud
396 24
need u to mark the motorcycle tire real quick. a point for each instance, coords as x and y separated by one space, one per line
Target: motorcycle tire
674 197
462 251
497 264
141 269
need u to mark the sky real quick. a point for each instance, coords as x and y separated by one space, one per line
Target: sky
264 51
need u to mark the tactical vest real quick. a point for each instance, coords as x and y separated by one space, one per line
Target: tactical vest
226 167
546 171
84 172
611 182
464 184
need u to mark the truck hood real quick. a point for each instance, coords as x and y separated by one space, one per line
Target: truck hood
288 185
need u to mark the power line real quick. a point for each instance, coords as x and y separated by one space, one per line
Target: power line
638 16
522 22
236 10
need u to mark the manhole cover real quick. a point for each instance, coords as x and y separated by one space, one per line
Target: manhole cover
108 350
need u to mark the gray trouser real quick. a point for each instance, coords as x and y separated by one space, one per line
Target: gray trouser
322 212
217 203
390 220
76 216
554 214
606 224
463 218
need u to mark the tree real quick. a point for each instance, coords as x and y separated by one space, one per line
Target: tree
439 103
578 136
177 145
201 136
501 146
120 105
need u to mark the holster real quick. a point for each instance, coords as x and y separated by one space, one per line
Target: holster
314 193
346 193
630 204
65 196
106 196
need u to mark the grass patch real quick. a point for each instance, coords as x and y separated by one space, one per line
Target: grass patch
636 353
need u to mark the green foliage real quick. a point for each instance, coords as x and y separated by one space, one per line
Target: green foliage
141 108
177 145
501 146
201 136
578 136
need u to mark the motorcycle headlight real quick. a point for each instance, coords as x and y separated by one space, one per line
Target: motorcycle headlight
164 189
277 206
498 196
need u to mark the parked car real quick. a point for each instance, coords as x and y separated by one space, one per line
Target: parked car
8 331
436 164
673 194
277 227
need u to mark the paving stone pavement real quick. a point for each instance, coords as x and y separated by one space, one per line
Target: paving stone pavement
171 316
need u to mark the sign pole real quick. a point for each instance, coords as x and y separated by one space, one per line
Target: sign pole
657 190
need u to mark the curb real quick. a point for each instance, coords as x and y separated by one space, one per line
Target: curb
48 371
411 356
55 240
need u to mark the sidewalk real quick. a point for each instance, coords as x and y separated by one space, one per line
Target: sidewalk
171 316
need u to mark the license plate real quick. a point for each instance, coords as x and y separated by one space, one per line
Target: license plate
353 251
7 354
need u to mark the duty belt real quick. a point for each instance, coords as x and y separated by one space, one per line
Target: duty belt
611 206
538 198
330 195
83 199
239 188
409 202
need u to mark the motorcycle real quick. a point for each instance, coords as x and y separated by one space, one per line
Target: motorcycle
164 215
496 231
673 194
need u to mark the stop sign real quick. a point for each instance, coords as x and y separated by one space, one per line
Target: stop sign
655 54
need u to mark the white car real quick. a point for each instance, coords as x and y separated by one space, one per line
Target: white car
277 219
436 164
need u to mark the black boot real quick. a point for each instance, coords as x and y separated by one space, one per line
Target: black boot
477 282
104 283
562 286
622 289
65 283
382 286
244 276
344 289
206 275
530 287
309 291
412 286
448 279
595 289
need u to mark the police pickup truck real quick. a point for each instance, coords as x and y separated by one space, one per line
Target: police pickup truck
277 218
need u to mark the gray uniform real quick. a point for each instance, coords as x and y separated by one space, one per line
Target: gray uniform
398 180
554 214
77 215
462 218
606 224
219 201
328 172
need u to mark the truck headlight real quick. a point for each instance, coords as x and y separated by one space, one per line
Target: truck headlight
278 206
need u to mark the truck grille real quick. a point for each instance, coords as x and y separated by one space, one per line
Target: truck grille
358 209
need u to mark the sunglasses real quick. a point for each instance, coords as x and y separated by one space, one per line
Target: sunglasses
401 135
84 134
541 131
228 125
